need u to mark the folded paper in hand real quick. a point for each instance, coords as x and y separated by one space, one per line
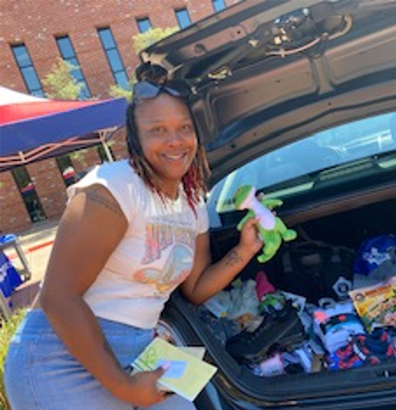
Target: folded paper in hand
187 374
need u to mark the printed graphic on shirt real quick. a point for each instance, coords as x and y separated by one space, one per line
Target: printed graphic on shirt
160 236
176 269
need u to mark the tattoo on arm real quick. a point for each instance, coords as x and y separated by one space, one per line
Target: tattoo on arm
232 258
95 196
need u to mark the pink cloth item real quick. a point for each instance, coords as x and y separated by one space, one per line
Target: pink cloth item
263 286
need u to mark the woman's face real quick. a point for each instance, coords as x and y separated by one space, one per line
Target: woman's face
167 137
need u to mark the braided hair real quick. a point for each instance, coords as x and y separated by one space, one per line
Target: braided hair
193 181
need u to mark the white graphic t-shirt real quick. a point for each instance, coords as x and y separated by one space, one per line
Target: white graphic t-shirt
155 255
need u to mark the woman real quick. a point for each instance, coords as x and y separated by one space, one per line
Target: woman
132 232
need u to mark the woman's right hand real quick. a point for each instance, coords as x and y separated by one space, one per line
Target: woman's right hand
143 390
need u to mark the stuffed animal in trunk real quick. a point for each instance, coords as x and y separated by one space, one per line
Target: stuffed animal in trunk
271 228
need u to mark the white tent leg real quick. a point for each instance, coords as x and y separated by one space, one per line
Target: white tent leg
102 135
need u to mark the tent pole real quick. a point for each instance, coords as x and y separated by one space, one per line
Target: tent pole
102 136
5 310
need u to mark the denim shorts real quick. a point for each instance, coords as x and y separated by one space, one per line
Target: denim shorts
40 374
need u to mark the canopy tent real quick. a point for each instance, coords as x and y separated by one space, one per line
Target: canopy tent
33 128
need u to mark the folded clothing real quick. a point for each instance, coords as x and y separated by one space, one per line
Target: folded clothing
335 331
363 349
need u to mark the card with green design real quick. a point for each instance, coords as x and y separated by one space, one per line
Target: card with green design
186 373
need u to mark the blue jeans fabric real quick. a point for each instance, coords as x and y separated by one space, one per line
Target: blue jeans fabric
40 374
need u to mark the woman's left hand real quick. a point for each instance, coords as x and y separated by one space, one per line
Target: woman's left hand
250 240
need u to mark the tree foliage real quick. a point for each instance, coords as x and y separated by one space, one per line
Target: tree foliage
146 39
117 91
140 42
60 83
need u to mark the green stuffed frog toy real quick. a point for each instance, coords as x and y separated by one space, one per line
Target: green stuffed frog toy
271 228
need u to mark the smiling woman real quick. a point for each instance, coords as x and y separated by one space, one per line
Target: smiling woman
133 231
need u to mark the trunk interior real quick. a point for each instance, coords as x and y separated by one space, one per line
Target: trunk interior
343 226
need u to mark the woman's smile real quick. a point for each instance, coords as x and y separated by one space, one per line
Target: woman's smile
176 157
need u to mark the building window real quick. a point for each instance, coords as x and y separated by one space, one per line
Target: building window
144 24
27 69
114 58
183 18
66 168
68 54
28 193
218 5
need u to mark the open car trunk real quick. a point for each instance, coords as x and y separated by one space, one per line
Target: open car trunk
341 225
267 77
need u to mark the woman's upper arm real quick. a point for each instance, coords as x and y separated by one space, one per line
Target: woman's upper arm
89 231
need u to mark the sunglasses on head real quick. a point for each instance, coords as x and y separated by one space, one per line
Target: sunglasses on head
146 90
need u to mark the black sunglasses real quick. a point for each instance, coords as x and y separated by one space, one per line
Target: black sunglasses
146 90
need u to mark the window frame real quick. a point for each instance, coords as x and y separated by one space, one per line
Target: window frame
33 90
140 22
72 59
181 14
114 49
218 5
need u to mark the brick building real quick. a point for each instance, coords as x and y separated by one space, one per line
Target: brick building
94 35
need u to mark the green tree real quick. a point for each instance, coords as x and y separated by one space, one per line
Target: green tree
149 37
60 83
140 42
116 91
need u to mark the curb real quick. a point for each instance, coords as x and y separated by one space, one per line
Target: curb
40 245
33 248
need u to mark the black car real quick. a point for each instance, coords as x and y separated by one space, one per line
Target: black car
298 99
